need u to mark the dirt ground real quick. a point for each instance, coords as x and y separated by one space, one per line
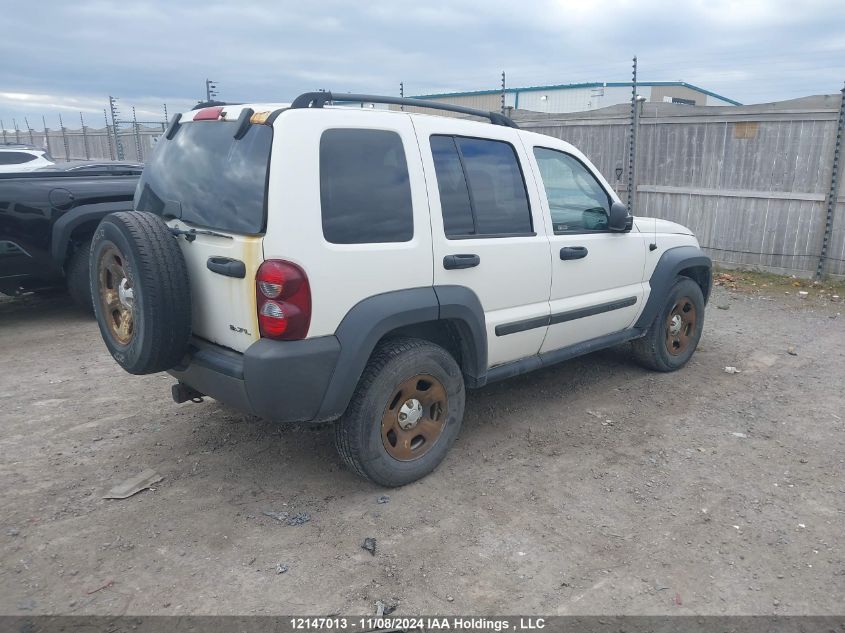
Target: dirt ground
592 487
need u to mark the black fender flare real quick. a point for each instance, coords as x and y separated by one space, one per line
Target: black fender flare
70 220
370 319
671 262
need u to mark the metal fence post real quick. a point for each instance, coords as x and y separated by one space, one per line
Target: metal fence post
108 135
46 134
84 137
138 156
114 126
834 186
29 130
632 147
64 138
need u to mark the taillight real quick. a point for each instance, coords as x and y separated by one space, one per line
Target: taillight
209 114
284 300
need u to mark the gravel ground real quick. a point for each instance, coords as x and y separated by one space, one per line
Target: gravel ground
592 487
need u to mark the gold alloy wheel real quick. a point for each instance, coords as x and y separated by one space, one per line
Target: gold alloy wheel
414 418
117 296
680 326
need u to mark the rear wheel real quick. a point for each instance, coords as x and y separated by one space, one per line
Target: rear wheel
674 334
405 414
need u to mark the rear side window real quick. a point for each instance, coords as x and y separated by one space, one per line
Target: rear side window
365 191
16 158
207 177
482 191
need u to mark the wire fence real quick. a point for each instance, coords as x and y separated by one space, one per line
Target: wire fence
93 138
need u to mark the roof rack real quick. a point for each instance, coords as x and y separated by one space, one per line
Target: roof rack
319 99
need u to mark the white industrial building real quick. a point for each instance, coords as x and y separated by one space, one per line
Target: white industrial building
583 96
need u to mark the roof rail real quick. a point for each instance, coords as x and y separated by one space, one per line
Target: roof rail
319 99
211 104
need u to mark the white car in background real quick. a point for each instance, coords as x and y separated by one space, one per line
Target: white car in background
18 158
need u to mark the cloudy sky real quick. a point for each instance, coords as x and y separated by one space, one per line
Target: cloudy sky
66 57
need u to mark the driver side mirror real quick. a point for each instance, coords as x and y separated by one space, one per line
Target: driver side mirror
619 220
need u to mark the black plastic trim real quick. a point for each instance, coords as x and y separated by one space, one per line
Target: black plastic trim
319 99
170 132
243 123
571 315
277 380
561 317
226 266
461 307
359 332
488 236
672 262
521 326
287 380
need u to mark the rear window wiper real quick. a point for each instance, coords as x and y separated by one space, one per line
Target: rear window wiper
191 234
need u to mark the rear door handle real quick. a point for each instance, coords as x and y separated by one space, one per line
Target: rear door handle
227 266
464 260
573 252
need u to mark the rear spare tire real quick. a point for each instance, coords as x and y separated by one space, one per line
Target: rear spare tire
140 290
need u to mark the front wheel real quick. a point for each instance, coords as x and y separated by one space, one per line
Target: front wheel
405 414
674 334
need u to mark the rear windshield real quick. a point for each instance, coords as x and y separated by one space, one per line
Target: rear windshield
206 177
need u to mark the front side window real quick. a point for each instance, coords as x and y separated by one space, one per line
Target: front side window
365 190
482 191
577 201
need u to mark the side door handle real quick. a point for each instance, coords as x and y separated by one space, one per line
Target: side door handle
573 252
464 260
227 266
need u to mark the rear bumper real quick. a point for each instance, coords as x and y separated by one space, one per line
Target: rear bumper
278 380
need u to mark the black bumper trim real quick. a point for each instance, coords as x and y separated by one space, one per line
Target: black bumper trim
284 381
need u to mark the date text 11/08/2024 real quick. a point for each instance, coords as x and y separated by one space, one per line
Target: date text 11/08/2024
454 623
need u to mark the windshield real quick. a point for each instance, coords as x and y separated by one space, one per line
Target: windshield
206 177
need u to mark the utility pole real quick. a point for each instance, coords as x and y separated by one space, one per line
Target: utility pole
211 90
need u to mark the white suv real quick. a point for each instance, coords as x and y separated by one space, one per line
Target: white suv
316 262
16 158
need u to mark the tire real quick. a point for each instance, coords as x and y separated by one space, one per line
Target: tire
400 371
662 349
78 277
141 293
